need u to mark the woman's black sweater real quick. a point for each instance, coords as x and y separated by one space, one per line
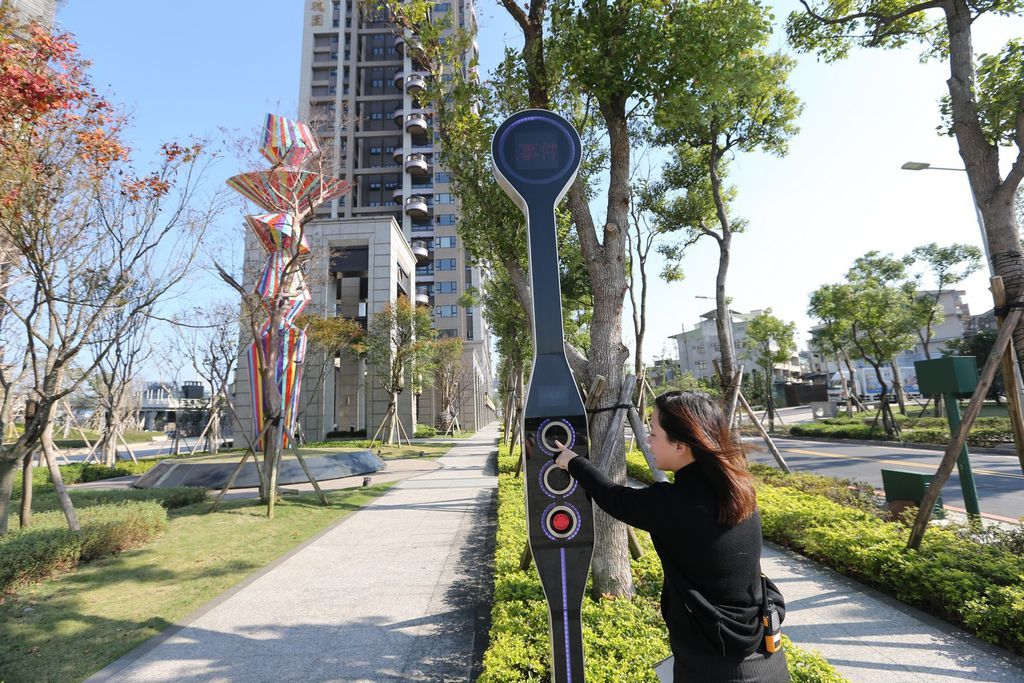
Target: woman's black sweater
712 592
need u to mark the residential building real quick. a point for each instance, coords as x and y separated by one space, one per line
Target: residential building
43 11
699 347
359 87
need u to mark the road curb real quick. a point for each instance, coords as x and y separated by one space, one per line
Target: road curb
889 444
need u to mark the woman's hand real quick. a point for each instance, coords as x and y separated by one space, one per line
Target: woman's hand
564 455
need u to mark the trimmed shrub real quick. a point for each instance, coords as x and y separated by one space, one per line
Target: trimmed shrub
624 638
49 547
847 492
977 586
424 432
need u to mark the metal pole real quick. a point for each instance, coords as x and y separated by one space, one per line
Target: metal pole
963 463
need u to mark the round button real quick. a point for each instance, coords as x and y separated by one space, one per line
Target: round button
555 481
553 430
561 522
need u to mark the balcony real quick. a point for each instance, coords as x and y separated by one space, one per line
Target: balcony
417 207
399 44
397 196
422 296
397 154
421 251
399 78
415 84
417 165
397 116
416 124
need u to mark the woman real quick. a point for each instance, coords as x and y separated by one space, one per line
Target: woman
707 532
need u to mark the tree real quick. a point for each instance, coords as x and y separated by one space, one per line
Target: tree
984 108
209 337
128 347
770 341
330 338
730 95
948 266
399 344
875 308
447 364
646 233
86 237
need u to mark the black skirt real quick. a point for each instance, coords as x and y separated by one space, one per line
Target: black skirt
694 666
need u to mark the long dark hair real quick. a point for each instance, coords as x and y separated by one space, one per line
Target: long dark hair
696 419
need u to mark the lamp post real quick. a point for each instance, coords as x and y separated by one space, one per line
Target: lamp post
925 166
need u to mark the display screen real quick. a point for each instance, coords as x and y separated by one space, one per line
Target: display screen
536 150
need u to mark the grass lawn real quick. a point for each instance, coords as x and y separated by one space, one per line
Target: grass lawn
385 452
69 627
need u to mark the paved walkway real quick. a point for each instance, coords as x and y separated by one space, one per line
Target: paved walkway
870 637
399 591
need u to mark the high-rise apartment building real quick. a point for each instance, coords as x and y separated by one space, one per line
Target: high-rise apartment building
358 87
40 10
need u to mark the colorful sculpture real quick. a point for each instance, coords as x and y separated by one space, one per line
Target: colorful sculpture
289 193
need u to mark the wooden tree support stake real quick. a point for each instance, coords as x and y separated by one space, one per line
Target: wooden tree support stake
302 462
238 468
924 513
1010 375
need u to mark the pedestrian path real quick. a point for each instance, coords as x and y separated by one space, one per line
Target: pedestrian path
398 591
870 637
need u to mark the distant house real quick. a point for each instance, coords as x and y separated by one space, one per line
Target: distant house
699 347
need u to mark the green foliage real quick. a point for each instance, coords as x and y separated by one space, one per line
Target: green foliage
424 432
980 587
624 638
846 492
400 339
980 346
986 431
48 547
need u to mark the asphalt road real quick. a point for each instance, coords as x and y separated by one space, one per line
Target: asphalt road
998 478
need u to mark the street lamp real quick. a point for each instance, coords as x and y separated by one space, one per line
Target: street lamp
925 166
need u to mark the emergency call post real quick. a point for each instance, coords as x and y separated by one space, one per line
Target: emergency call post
536 155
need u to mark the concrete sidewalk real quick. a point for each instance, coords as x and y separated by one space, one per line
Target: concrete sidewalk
871 637
398 591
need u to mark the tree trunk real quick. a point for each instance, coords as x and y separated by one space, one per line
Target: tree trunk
108 439
994 197
25 517
8 470
606 265
55 475
769 399
897 385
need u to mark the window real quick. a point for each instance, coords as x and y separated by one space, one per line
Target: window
375 150
448 287
442 177
702 365
442 7
374 204
445 219
444 242
391 185
376 116
444 198
448 332
377 52
377 83
374 186
425 269
699 348
389 149
445 264
446 311
421 227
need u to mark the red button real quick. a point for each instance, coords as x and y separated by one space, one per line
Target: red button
560 522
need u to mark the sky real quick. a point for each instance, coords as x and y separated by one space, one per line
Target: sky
194 68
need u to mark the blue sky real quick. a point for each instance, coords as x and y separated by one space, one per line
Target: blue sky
192 68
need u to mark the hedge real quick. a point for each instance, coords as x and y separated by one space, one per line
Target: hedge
48 547
77 473
986 431
971 584
624 638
